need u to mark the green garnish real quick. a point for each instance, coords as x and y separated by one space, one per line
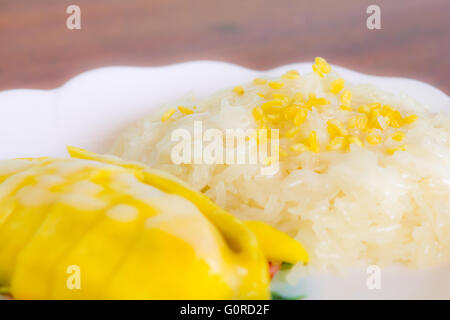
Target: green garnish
286 266
277 296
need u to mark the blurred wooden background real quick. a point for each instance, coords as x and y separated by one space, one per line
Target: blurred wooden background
38 51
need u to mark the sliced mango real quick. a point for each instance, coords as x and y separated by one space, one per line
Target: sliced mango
127 232
169 261
99 252
14 235
64 226
276 245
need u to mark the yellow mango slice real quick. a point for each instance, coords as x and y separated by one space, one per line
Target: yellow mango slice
276 245
19 218
35 265
7 190
99 252
169 261
153 270
235 233
12 167
128 232
15 234
31 195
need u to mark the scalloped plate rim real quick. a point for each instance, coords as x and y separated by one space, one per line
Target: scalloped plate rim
90 72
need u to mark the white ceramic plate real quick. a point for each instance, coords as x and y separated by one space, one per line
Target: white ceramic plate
90 110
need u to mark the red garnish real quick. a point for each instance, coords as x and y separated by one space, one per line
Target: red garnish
273 268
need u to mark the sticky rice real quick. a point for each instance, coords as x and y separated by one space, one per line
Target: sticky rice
364 174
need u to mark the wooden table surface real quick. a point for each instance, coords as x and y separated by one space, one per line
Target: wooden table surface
38 51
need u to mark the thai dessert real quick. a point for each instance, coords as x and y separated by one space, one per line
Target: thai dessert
209 197
96 227
363 175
